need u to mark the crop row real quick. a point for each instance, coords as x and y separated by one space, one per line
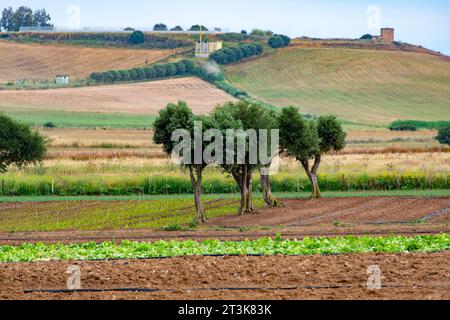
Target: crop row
12 185
263 246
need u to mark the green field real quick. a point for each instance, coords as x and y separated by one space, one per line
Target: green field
263 246
360 86
65 119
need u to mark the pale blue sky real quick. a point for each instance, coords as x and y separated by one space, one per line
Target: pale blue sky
416 21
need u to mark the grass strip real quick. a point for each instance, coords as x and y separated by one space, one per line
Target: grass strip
263 246
281 195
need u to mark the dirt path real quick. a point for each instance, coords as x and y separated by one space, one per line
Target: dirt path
404 276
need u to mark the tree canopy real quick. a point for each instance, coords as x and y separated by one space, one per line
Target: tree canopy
137 37
12 20
19 145
444 135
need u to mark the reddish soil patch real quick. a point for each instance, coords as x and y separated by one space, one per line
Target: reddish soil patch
404 276
231 234
371 210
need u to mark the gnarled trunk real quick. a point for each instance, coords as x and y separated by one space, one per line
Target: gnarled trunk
244 180
268 197
312 175
197 185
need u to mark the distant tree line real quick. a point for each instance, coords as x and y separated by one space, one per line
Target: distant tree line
163 27
122 39
12 20
158 71
414 125
237 53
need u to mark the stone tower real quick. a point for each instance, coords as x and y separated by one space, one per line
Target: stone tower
387 34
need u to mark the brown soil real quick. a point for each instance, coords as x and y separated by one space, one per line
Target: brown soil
299 219
135 98
404 276
370 210
36 61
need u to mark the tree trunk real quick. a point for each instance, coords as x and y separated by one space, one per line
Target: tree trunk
244 180
197 185
268 197
312 175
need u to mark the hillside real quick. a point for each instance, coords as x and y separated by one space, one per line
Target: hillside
364 86
144 98
35 61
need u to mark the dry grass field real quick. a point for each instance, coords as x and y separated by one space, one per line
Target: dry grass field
135 98
35 61
362 86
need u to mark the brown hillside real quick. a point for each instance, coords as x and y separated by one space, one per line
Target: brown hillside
36 61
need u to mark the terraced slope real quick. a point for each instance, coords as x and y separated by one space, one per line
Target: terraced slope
364 86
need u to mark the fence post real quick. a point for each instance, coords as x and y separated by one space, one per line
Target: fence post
3 187
53 186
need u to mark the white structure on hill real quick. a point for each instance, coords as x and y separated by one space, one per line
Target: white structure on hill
204 48
62 79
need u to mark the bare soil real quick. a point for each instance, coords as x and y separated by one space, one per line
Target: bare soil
134 98
404 276
37 61
370 210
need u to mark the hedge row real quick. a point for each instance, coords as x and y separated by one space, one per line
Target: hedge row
238 53
180 184
158 71
99 38
413 125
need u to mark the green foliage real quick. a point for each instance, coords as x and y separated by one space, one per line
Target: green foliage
158 71
261 33
177 28
178 184
263 246
173 117
366 37
160 27
100 39
12 20
237 53
298 136
137 37
444 135
198 28
279 41
331 134
413 125
19 145
49 124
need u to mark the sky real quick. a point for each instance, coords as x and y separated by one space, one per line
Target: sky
421 22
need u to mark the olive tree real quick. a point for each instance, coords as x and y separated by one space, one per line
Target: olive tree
19 145
246 119
307 141
175 130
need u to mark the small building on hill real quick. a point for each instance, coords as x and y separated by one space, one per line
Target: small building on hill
387 35
62 79
204 48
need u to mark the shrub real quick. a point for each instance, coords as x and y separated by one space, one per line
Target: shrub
160 70
276 42
49 124
137 37
444 135
160 27
235 54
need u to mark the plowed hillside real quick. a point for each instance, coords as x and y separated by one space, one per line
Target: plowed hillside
365 86
133 98
35 61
